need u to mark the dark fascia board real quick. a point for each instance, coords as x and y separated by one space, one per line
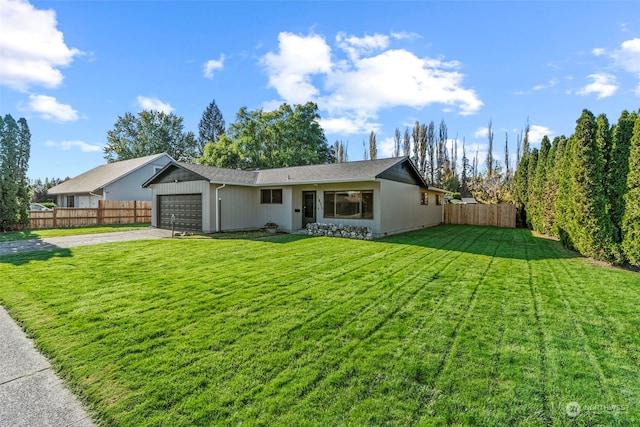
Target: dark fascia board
172 163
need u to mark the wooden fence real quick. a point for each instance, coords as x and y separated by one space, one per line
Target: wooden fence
491 215
108 212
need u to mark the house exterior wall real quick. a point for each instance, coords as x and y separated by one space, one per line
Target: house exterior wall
296 217
82 200
402 211
129 187
188 187
280 213
238 207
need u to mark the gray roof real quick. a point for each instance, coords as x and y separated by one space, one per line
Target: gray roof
363 170
94 180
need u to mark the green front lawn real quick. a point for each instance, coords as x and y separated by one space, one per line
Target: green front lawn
451 325
74 231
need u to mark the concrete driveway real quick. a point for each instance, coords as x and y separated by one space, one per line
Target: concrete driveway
21 246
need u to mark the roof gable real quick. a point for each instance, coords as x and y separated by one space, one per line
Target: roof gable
403 172
99 177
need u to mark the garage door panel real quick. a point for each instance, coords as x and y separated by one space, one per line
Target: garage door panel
187 209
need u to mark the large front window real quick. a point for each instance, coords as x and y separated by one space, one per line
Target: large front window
348 204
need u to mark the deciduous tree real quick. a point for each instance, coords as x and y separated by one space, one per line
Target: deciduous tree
288 136
147 133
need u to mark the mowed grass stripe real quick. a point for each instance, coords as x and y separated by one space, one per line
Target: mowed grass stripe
344 372
599 344
350 334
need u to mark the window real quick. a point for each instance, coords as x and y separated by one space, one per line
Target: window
70 200
438 199
424 198
271 196
348 204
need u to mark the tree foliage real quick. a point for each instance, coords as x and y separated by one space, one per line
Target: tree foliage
373 146
631 220
288 136
147 133
15 150
619 169
211 126
589 225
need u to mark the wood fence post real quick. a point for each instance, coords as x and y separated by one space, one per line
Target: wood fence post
100 207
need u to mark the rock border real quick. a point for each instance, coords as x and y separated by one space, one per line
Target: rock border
357 232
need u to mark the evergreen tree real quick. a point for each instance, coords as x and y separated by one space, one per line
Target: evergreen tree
551 185
562 212
211 126
536 202
589 225
15 147
631 218
531 179
619 169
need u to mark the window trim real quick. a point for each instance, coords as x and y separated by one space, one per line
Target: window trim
335 215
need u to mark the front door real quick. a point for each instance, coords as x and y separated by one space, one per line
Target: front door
308 207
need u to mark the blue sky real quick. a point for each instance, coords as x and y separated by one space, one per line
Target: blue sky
72 67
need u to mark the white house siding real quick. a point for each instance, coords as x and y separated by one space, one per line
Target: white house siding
345 186
87 201
129 187
238 207
402 211
280 214
187 187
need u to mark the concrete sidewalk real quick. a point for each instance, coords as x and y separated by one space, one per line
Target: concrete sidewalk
21 246
31 394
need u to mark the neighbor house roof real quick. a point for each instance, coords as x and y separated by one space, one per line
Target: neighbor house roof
94 180
364 170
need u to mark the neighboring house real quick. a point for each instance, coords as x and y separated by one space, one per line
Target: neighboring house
114 181
388 195
469 201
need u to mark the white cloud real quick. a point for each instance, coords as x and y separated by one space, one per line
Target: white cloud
50 109
353 89
358 46
481 133
602 85
67 145
154 104
32 49
628 56
598 51
212 65
299 58
536 132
